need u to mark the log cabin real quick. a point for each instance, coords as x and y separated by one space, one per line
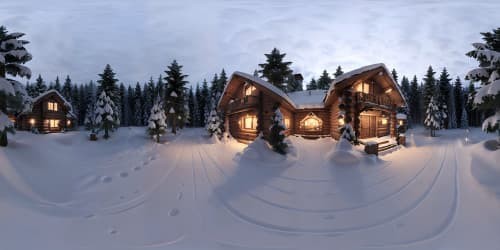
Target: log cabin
50 112
368 95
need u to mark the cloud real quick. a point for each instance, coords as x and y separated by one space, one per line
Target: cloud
140 38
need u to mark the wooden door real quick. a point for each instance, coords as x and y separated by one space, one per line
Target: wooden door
368 126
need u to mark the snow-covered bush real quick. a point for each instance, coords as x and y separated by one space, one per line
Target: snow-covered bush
347 132
433 119
13 96
488 74
105 117
214 125
277 134
156 121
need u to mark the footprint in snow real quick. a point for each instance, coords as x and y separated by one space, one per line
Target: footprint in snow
330 217
179 196
173 212
152 158
124 174
106 179
136 191
88 216
112 231
137 168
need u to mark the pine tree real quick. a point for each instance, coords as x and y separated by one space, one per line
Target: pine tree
105 116
198 110
405 87
221 84
429 86
395 75
89 122
487 97
324 80
414 101
13 96
471 111
160 87
444 95
57 84
124 106
148 99
213 92
39 87
459 101
66 89
214 124
338 72
433 120
275 70
452 116
277 133
108 83
157 118
312 84
82 105
175 95
204 103
75 100
131 106
464 121
138 105
292 84
191 104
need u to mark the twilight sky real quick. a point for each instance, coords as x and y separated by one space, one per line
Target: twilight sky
139 38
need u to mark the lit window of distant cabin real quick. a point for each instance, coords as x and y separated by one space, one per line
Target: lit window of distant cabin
51 123
52 106
249 89
311 123
363 87
248 122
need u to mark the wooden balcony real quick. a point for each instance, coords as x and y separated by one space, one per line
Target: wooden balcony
246 102
380 100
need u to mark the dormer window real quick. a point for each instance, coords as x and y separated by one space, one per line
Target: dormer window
52 106
311 123
249 89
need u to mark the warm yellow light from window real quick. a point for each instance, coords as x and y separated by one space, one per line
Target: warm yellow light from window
52 123
384 121
249 122
311 124
287 123
32 121
363 87
341 121
52 106
388 90
249 90
401 122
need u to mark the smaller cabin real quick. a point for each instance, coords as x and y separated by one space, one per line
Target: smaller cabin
50 112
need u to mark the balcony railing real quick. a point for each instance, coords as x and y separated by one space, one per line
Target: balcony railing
375 99
245 102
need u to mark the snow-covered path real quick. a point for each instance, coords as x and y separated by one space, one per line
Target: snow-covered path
192 194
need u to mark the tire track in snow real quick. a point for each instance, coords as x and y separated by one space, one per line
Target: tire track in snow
272 227
446 225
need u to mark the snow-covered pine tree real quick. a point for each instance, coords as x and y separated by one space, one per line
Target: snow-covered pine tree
338 72
157 118
324 80
175 94
90 116
275 70
191 105
204 103
312 85
149 99
122 93
429 86
75 100
464 121
13 95
108 83
433 119
277 131
214 126
487 97
347 132
105 116
82 105
221 84
160 87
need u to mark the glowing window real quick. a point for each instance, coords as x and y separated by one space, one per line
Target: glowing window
52 106
287 123
248 122
52 123
311 123
249 89
363 87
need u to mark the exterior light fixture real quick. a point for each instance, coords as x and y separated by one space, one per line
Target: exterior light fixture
384 121
388 90
32 122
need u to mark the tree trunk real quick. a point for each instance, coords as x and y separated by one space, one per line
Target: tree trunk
3 139
106 132
158 136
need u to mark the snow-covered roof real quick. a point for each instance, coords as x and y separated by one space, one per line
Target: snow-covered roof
362 70
66 103
308 98
401 116
261 83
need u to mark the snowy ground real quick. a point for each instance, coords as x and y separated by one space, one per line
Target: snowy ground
61 191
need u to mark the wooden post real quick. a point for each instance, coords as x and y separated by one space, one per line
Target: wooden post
393 123
260 114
